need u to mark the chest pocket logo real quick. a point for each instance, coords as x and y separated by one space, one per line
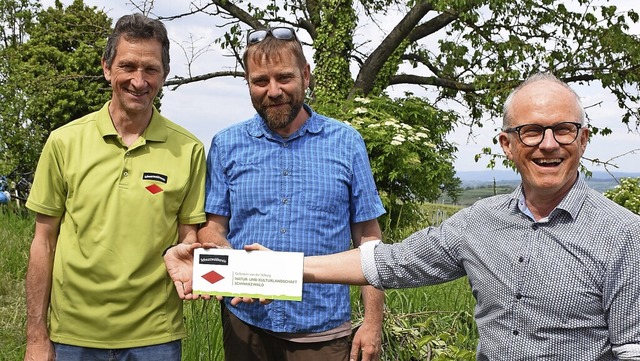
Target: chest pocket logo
155 176
154 188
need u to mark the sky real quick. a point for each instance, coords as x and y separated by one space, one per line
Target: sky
206 107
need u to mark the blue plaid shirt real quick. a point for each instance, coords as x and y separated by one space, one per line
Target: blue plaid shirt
299 194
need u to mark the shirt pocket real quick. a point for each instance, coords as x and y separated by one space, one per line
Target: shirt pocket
326 190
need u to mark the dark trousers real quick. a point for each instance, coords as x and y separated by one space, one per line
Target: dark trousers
243 342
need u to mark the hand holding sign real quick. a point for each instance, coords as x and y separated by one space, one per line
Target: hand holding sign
179 263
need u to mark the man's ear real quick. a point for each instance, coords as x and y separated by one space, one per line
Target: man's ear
106 71
306 74
584 139
505 143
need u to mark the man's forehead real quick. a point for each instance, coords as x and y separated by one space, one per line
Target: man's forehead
139 48
270 65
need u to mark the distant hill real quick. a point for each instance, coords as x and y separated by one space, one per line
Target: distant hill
600 181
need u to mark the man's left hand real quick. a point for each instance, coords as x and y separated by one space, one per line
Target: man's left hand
368 340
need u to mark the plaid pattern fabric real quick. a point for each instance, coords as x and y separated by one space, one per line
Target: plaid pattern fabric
299 194
563 288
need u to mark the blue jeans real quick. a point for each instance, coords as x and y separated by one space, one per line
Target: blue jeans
170 351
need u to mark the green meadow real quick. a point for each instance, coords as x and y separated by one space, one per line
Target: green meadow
428 323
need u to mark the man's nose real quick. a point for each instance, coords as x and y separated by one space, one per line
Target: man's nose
137 78
548 140
274 89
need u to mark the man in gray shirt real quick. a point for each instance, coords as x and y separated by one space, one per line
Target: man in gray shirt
554 266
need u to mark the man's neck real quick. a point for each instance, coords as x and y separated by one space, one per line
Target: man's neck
129 126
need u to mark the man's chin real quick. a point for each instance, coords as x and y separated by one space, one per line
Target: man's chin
137 105
277 121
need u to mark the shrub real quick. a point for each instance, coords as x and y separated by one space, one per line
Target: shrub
626 194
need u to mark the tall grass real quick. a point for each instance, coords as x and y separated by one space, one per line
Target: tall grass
204 328
16 232
427 323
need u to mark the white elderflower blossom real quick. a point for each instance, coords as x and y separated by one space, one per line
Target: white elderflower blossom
398 138
392 123
362 100
360 110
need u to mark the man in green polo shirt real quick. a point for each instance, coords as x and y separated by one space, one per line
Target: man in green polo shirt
112 190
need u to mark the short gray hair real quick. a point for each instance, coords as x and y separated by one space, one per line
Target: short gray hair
507 117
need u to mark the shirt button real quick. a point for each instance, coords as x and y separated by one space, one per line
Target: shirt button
515 332
285 172
286 145
125 174
283 230
285 201
534 226
128 153
521 259
518 296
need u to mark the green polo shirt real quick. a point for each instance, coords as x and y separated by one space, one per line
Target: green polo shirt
120 209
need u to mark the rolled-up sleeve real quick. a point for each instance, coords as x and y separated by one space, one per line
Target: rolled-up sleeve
627 352
368 263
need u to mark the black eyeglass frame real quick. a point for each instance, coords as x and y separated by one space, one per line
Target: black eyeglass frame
544 132
279 32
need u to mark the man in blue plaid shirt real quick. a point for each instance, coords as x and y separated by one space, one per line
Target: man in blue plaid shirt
292 180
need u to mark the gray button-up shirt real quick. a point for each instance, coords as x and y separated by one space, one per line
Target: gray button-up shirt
563 288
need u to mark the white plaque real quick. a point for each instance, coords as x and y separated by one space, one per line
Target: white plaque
255 274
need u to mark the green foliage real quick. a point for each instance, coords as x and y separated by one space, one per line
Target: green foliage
15 18
335 36
51 79
388 70
426 323
506 41
411 160
626 194
470 51
466 55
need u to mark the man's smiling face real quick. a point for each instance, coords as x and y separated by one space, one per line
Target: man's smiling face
136 75
548 169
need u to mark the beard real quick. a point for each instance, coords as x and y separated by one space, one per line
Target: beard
281 117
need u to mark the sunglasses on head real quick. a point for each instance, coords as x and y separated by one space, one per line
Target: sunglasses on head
280 33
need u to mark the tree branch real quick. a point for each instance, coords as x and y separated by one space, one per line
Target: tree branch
375 62
431 80
176 81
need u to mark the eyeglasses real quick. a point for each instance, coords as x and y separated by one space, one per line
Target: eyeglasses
279 32
532 135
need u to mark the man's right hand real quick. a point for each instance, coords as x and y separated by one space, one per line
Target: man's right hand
40 351
179 263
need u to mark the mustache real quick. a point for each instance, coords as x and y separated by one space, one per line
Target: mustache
275 103
282 99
